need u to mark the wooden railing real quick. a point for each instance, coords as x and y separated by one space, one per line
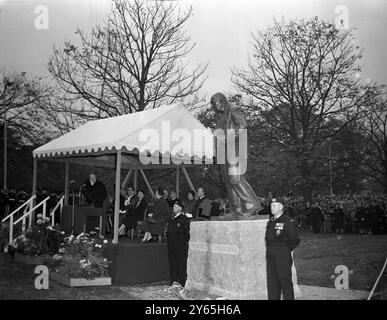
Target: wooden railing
27 206
29 215
58 205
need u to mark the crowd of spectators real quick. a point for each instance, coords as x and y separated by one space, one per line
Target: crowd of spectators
12 199
364 213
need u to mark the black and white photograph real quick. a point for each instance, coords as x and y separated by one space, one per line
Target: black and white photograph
189 155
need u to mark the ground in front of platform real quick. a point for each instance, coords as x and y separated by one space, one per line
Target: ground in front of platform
316 259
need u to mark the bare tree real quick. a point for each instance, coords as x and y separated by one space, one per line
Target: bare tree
374 130
20 97
303 75
135 61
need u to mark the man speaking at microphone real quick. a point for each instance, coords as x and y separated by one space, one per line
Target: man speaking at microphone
94 191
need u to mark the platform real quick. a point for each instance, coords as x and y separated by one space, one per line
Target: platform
134 262
227 258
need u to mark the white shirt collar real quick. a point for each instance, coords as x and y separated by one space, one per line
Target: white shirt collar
275 218
178 215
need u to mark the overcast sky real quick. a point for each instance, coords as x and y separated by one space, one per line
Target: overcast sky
221 29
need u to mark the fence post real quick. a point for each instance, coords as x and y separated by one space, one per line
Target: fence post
10 229
52 215
44 210
61 209
30 215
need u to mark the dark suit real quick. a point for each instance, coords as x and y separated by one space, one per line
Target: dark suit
95 194
316 216
281 239
135 214
177 239
202 209
161 214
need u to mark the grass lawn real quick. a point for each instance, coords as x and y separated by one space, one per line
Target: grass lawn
319 254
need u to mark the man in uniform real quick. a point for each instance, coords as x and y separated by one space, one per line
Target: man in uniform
233 172
281 239
177 240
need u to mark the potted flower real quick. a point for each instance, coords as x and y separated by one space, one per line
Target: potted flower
4 236
81 261
31 246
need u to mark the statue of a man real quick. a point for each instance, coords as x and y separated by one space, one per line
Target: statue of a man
242 198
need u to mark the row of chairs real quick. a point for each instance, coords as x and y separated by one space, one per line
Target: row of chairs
131 233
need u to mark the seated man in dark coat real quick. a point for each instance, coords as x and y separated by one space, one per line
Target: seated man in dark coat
158 218
94 191
202 208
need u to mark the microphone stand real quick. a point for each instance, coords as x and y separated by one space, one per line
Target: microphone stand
73 211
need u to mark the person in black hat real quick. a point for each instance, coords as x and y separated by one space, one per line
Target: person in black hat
281 239
177 240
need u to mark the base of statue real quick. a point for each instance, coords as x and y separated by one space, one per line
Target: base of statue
227 258
239 217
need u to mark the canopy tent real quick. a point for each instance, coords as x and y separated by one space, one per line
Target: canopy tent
169 136
169 130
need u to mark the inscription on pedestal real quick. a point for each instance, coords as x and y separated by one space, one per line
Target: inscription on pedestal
198 246
215 248
225 248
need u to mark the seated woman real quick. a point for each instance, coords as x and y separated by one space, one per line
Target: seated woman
136 214
190 204
157 219
127 202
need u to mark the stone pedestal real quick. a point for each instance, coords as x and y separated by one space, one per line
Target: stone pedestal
227 259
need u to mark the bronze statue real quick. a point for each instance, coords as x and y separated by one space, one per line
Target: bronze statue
242 198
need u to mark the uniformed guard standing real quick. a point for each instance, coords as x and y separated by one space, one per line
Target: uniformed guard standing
177 239
281 239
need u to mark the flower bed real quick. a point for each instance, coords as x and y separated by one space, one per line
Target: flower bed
34 245
79 282
80 261
4 236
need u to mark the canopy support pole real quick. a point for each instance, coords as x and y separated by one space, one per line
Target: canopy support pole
188 179
117 197
147 183
177 182
67 178
135 179
34 186
126 179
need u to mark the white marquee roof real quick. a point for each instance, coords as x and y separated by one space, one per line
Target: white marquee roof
168 130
